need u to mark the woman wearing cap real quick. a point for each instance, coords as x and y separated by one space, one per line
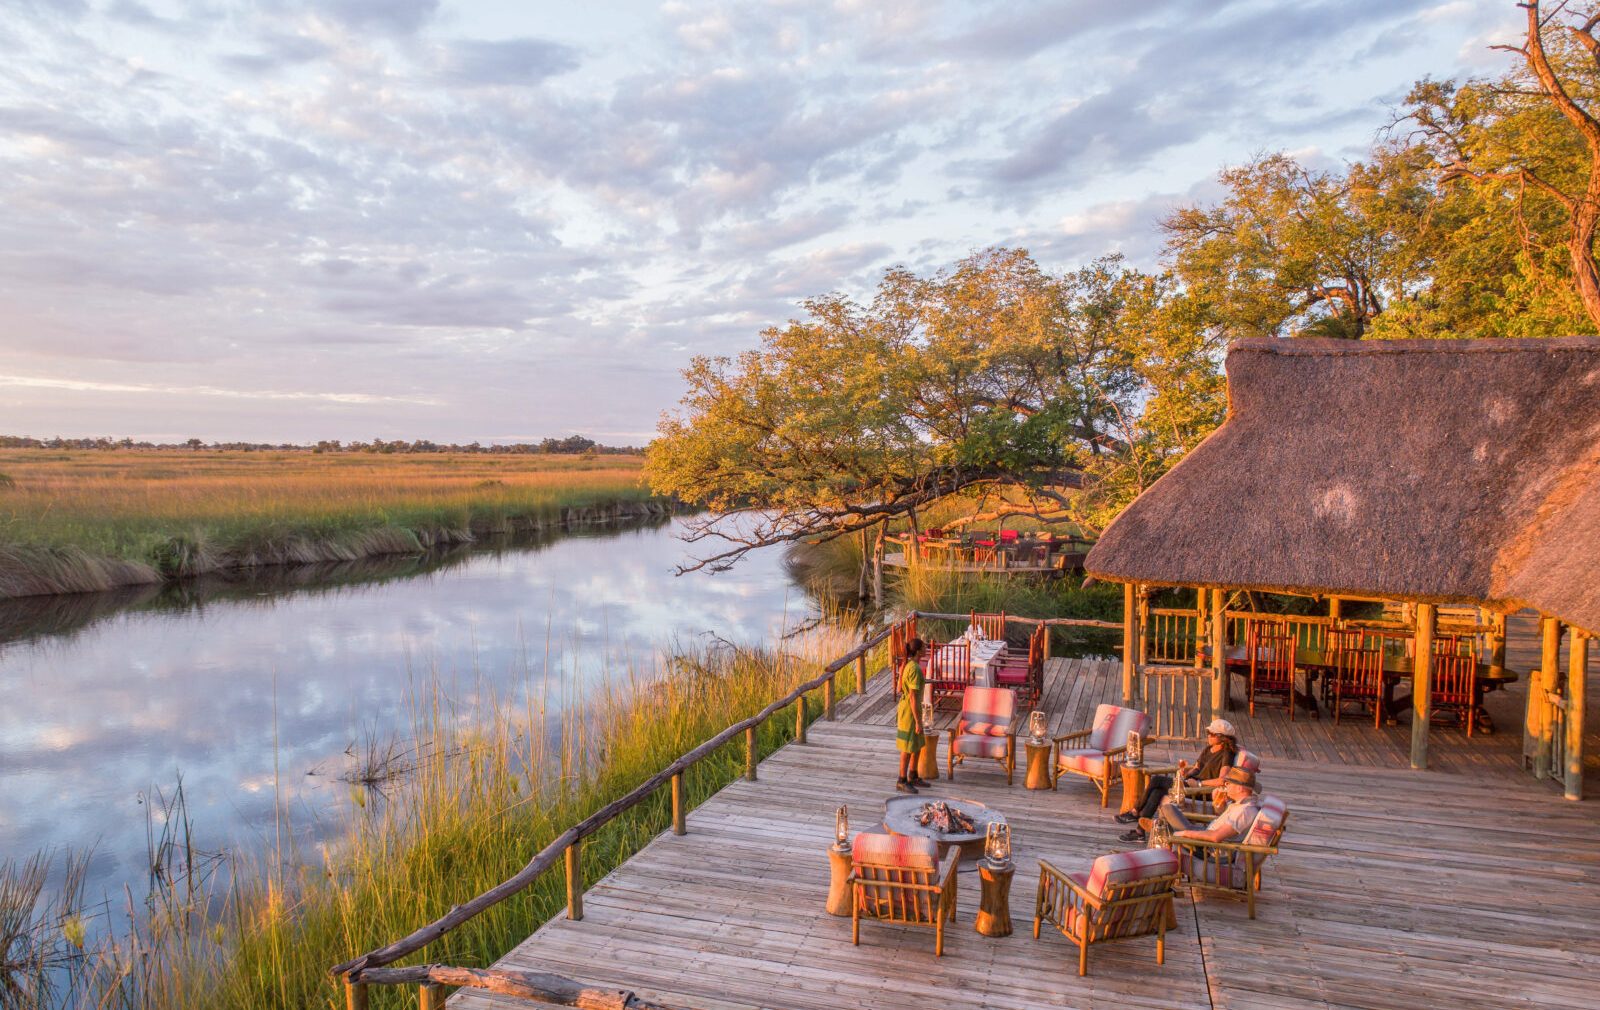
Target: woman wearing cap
1222 746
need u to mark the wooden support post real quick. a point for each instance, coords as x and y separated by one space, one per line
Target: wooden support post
861 673
1577 669
1497 643
1219 652
431 997
1549 671
1333 607
574 884
355 995
877 572
678 826
800 719
1202 624
1130 640
827 697
750 754
1144 625
1422 684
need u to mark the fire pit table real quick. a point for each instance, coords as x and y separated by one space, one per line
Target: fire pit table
901 817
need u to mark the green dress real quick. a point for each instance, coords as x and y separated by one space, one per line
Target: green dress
906 736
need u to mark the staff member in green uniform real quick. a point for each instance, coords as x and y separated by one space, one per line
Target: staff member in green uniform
908 728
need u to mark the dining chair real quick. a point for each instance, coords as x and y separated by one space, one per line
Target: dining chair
1453 686
949 671
1357 672
993 626
1271 651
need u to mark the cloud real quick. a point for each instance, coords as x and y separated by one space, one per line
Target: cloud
522 61
86 386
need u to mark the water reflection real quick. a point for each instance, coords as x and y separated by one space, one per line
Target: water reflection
254 687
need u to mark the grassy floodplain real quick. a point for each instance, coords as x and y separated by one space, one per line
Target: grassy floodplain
75 521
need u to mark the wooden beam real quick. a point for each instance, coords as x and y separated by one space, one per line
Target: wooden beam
355 995
750 755
1333 607
800 720
431 997
1130 641
678 825
1219 648
1577 671
1549 669
1422 684
1202 623
827 692
574 881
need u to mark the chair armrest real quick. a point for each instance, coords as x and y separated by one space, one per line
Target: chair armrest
1077 889
1240 847
1063 738
856 878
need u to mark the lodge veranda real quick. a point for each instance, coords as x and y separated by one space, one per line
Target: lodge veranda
1380 570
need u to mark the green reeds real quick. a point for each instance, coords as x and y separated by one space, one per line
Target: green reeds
490 783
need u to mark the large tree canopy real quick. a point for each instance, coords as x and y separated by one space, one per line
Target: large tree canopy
991 380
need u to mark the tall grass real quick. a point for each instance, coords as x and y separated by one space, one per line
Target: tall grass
942 591
496 783
81 521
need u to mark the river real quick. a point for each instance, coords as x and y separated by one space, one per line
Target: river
252 690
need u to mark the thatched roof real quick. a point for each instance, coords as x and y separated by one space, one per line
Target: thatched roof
1428 470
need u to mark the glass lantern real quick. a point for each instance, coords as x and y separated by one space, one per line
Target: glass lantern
841 826
1135 753
1036 725
927 717
997 842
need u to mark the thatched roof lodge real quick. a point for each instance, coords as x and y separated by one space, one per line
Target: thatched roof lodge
1429 471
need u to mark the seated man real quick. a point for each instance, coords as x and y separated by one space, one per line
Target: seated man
1231 824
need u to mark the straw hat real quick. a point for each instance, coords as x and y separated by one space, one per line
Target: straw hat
1240 777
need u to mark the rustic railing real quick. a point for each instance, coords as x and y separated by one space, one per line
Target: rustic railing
1177 699
1172 635
1310 632
567 848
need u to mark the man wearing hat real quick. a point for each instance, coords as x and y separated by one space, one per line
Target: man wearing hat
1222 746
1235 819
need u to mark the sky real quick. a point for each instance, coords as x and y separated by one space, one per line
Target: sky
473 221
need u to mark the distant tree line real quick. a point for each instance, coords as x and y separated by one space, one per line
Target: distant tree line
571 445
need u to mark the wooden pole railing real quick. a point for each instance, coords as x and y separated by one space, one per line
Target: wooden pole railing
565 845
544 987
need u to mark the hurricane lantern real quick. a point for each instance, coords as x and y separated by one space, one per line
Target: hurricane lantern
1036 726
841 825
927 716
997 842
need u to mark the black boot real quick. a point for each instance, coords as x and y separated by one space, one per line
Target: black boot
902 786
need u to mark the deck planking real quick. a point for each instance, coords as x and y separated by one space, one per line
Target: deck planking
1466 884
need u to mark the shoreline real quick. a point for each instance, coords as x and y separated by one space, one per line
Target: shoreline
35 570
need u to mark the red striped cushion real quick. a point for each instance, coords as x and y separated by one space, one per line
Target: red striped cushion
1112 724
981 746
987 711
1247 760
908 851
1269 817
1083 760
1122 867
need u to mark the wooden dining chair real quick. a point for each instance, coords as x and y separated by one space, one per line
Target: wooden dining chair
993 626
1357 672
1024 676
949 671
1453 687
1271 651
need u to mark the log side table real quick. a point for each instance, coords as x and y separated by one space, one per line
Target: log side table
839 861
1134 780
994 900
928 757
1038 764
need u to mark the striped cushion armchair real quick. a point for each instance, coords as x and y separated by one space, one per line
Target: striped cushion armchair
1096 753
897 878
1125 894
986 728
1234 867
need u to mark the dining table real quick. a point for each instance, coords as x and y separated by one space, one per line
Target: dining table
983 655
1398 668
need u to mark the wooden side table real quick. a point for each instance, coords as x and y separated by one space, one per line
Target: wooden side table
928 757
1038 765
839 887
994 901
1135 778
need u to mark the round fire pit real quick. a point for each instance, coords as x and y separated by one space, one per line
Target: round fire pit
900 818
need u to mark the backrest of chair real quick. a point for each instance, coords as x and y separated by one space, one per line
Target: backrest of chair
1121 880
1452 679
885 863
1036 644
1271 650
1250 761
1008 536
987 711
1359 659
950 664
993 626
1112 724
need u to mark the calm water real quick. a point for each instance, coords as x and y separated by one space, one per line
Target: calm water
253 691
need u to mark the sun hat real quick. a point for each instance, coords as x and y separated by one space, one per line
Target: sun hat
1240 777
1222 727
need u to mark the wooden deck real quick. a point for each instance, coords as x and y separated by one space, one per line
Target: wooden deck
1469 884
897 559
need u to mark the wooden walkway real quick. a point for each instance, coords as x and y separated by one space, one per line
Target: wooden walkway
1468 884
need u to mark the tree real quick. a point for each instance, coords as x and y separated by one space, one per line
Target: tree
1528 145
992 381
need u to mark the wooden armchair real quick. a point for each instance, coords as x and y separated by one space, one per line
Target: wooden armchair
1123 895
985 729
1096 753
897 878
1233 868
1024 676
949 671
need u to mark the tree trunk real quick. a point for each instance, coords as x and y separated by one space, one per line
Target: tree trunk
1581 248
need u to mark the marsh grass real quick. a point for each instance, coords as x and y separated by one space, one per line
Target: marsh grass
499 780
86 521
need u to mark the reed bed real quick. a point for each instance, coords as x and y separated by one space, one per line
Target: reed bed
85 521
489 782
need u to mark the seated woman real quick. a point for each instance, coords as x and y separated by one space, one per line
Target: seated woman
1222 745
